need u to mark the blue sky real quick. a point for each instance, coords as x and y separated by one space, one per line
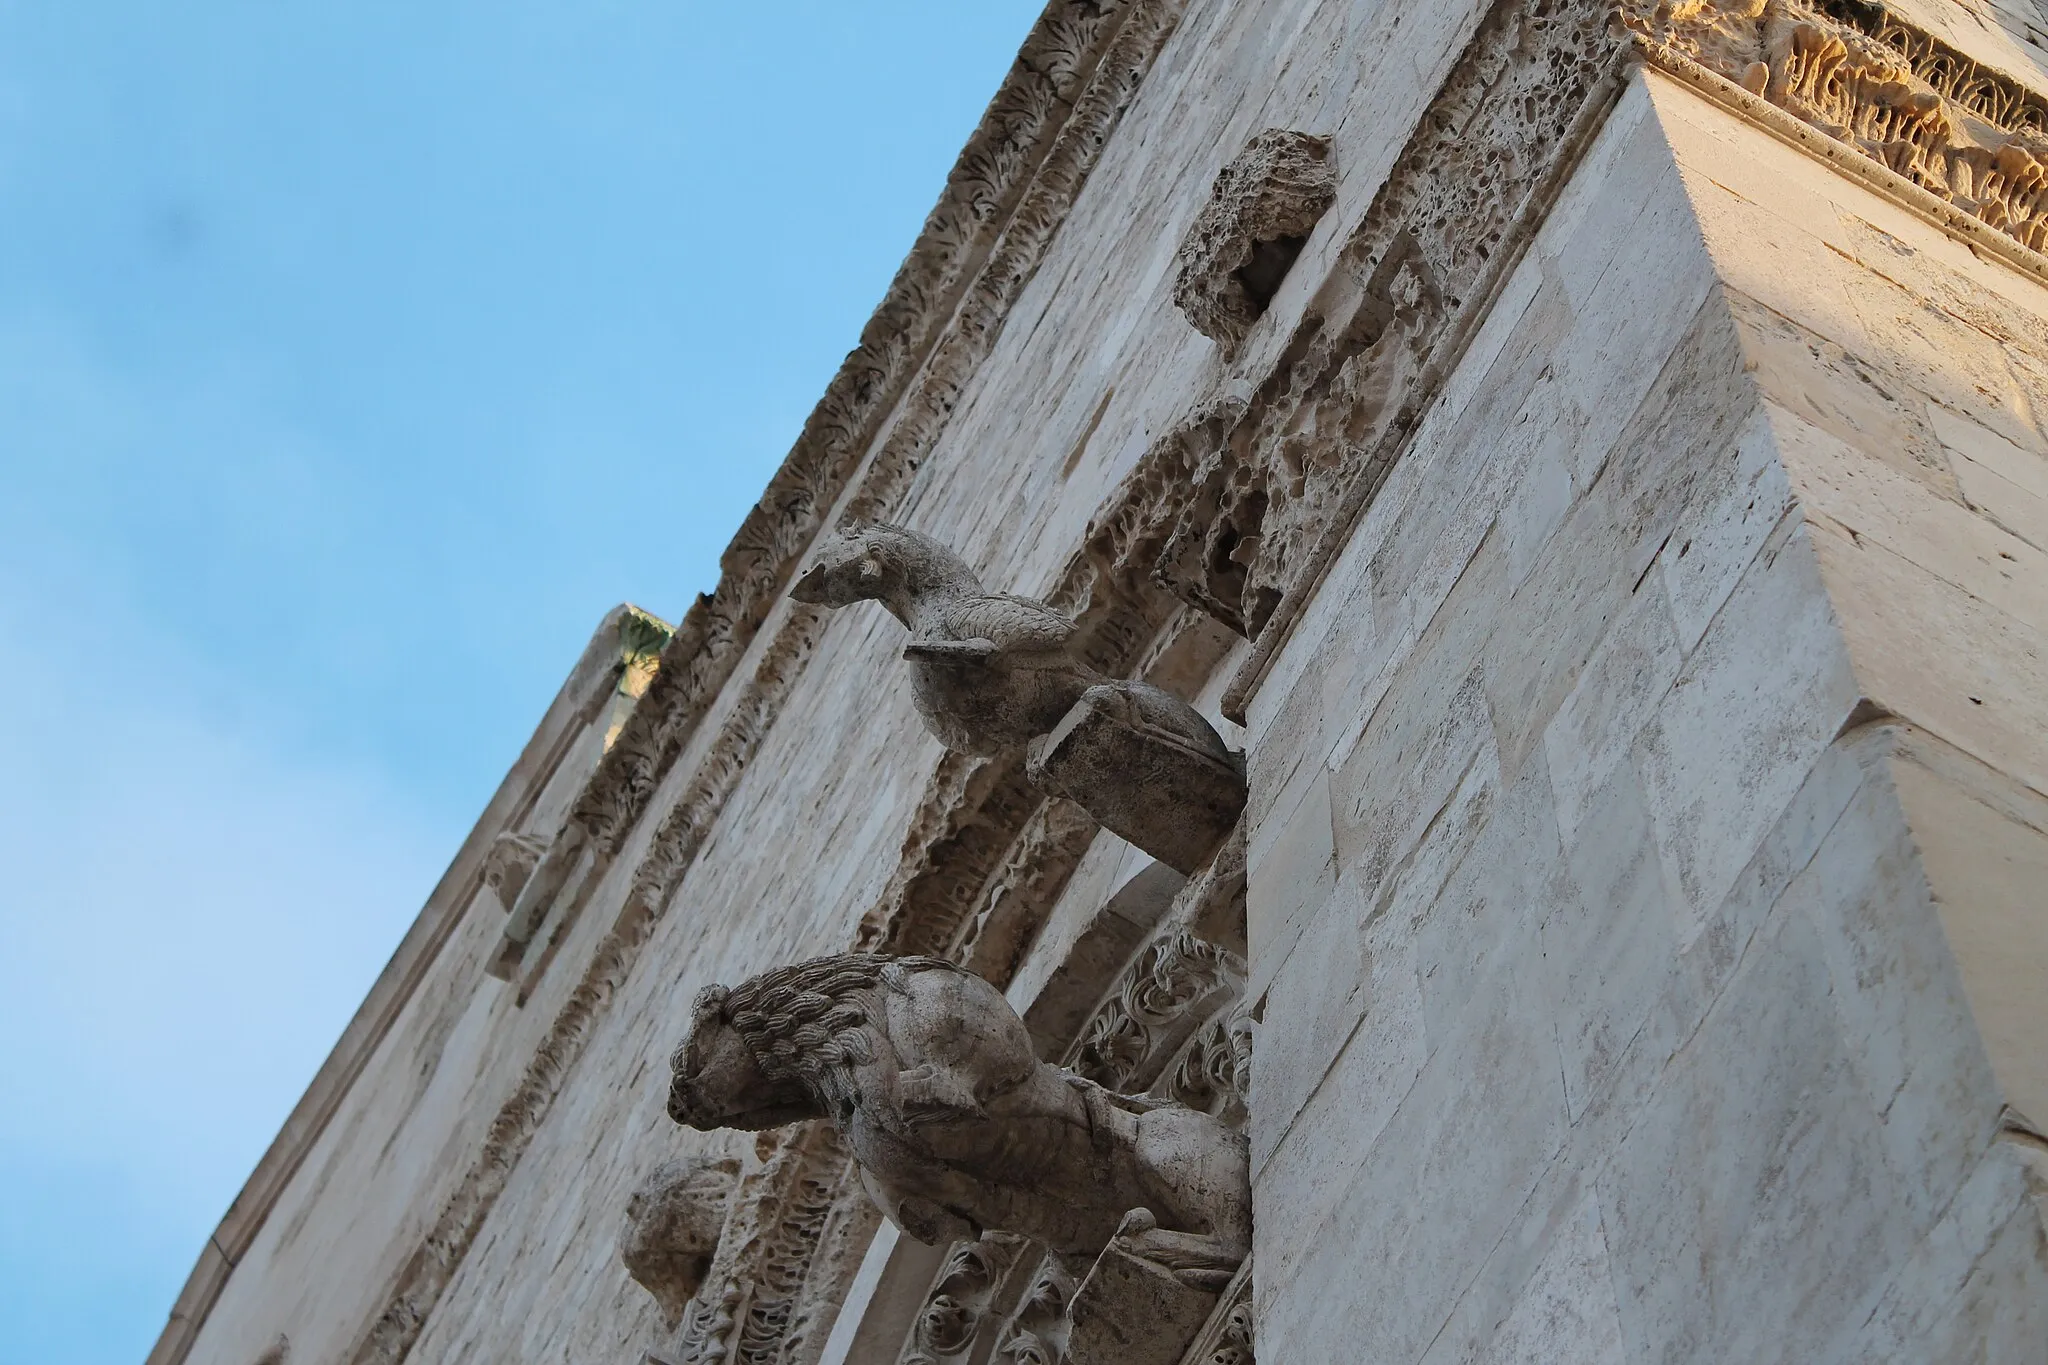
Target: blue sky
354 359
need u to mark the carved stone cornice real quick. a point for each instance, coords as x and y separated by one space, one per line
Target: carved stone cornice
1971 137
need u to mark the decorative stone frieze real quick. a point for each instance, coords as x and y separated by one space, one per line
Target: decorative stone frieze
673 1222
958 1127
1260 212
964 1300
1901 97
1037 1334
991 672
1160 1003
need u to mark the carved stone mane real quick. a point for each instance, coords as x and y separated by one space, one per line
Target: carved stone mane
805 1021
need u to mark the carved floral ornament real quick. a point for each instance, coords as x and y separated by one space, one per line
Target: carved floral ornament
1901 97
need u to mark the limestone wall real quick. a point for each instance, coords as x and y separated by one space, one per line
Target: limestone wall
1650 1045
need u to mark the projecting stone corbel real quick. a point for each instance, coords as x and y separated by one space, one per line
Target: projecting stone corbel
570 854
1242 244
673 1223
509 864
991 672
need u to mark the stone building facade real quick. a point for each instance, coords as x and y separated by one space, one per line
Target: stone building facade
1590 460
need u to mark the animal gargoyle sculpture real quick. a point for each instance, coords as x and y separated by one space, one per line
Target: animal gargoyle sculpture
991 672
957 1125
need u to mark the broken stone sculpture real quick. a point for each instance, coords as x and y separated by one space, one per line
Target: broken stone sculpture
991 672
956 1124
1259 216
673 1222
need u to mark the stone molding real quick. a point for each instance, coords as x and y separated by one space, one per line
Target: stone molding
1903 98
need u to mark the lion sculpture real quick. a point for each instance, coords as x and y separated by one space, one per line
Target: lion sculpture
957 1125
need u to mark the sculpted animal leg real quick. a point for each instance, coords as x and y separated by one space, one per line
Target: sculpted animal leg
935 1094
974 651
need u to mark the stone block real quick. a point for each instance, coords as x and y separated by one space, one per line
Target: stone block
1396 785
1769 685
1729 513
1316 998
1119 754
1559 612
1347 990
1894 988
1920 348
1999 478
1780 261
1435 1190
1616 691
1130 1311
1976 1286
1944 659
1609 950
1540 468
1715 945
1820 381
1568 1310
1506 882
1755 1166
1988 872
1682 433
1288 873
1863 495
